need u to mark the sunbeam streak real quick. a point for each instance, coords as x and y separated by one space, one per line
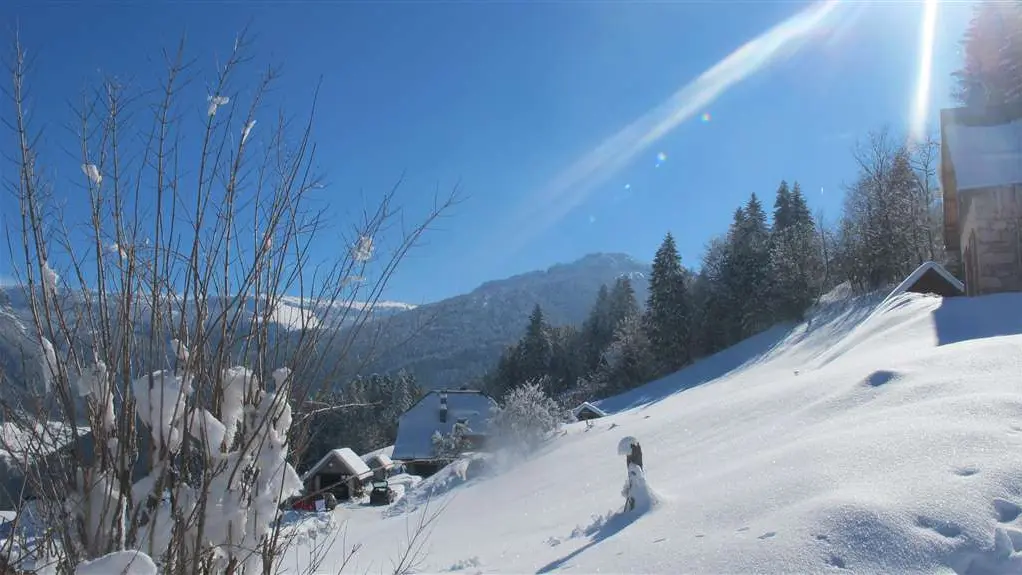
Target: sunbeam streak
568 189
921 104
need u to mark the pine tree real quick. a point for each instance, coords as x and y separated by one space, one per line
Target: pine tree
628 362
748 268
668 310
729 286
508 372
714 316
536 347
796 264
782 207
800 214
756 218
622 302
991 73
598 329
568 361
404 392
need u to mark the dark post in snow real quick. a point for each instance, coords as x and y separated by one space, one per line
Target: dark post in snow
634 456
630 448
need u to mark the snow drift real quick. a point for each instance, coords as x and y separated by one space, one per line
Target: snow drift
877 437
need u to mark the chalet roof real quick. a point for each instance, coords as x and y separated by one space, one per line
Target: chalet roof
346 459
915 276
416 426
984 146
590 407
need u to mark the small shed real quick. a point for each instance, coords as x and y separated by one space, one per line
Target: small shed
380 463
340 472
931 278
587 411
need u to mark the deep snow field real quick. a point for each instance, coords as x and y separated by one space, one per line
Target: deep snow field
877 437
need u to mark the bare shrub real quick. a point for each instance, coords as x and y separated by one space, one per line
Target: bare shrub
179 319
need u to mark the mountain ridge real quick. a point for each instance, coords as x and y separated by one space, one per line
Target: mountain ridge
443 343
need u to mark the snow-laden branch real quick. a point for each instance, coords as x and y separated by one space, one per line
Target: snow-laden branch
305 415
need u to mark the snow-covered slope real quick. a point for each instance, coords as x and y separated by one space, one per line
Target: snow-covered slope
878 437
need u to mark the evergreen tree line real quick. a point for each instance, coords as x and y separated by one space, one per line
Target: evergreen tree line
763 270
362 415
766 269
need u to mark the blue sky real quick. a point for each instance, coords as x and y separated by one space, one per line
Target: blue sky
504 97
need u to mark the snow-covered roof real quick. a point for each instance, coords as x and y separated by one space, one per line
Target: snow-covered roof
388 451
348 459
416 427
378 460
588 406
985 155
918 273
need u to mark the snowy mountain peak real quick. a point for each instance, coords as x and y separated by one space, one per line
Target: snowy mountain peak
602 265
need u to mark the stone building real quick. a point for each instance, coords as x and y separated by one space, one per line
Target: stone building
981 177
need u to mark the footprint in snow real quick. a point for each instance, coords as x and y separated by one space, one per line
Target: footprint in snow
945 528
967 471
742 529
1016 538
838 562
882 377
1006 510
768 535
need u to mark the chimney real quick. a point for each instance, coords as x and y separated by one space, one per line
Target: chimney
443 407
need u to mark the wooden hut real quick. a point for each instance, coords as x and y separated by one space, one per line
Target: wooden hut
587 411
340 472
931 278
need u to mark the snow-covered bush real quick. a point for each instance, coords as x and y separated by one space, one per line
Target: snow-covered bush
525 417
451 445
155 313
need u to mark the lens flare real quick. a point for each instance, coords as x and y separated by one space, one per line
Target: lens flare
921 103
571 187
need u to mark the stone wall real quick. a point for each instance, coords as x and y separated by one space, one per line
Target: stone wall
991 237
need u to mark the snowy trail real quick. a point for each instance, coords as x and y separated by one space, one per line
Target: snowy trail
874 439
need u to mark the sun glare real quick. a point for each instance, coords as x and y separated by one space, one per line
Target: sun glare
921 105
570 188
